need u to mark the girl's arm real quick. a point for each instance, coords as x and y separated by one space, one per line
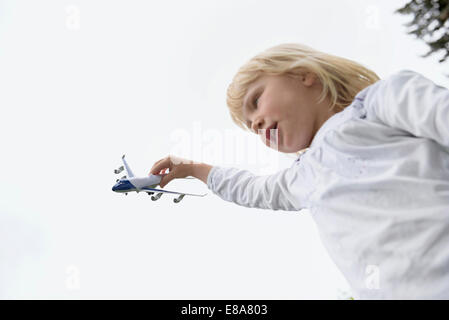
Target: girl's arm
284 190
411 102
201 171
280 191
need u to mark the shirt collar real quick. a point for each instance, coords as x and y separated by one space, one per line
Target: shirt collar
355 108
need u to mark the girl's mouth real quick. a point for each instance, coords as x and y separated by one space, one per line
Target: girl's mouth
269 132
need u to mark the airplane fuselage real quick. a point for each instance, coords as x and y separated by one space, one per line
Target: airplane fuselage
134 184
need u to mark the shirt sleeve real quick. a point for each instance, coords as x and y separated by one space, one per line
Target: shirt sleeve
280 191
409 101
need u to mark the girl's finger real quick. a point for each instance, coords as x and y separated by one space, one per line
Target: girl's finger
161 164
154 165
167 178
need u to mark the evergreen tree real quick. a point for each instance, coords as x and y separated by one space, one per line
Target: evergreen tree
430 24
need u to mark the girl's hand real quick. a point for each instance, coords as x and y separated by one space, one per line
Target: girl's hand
179 168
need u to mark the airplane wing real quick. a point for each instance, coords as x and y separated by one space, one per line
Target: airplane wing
128 169
172 192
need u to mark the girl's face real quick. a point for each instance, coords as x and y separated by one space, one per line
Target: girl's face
288 105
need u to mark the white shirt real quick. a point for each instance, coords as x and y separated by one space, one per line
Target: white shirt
376 181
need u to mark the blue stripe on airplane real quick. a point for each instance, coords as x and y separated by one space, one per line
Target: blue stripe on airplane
123 185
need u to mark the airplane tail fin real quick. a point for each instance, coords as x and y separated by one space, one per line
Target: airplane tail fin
165 173
159 174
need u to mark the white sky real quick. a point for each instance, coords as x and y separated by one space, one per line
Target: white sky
82 82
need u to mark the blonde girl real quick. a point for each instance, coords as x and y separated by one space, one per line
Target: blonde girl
372 166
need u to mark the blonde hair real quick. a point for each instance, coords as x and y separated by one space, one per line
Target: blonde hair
341 78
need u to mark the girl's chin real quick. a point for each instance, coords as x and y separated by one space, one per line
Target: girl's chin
291 148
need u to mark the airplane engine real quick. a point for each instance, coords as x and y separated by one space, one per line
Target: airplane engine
176 200
154 198
117 171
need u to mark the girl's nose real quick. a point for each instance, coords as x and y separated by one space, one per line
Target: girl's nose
257 124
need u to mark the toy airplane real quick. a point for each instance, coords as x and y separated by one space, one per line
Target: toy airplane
144 184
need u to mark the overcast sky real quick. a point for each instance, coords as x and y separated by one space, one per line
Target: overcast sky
83 82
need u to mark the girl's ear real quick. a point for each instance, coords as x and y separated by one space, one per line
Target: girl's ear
308 79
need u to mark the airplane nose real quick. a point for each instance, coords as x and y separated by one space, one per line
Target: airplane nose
122 186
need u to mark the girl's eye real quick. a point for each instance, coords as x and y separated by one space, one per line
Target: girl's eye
255 102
